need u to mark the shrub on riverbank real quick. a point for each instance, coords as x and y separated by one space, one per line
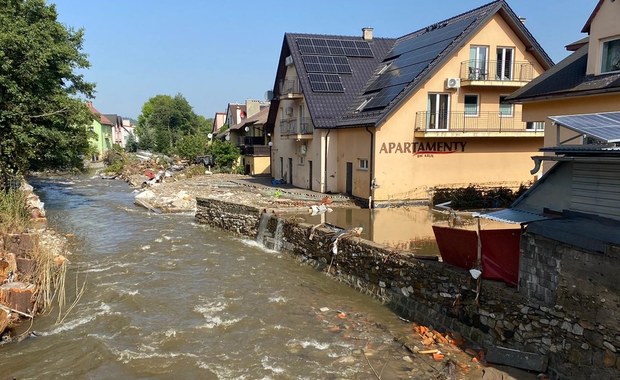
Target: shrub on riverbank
471 197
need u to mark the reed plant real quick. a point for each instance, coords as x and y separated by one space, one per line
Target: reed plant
14 212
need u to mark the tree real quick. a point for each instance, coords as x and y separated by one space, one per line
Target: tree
191 146
42 120
164 120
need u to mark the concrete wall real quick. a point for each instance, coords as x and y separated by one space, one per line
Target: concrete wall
433 293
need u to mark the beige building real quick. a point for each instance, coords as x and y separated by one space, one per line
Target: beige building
586 82
388 120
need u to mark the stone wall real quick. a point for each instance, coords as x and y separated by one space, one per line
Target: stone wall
442 296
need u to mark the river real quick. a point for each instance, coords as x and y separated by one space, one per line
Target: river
168 298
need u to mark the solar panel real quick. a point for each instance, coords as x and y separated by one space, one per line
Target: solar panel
322 46
448 32
325 82
603 126
382 98
326 64
396 77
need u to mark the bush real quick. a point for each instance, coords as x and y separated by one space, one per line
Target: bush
115 159
224 153
471 197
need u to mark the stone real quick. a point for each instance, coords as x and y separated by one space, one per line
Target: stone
519 359
609 346
585 346
609 359
577 329
18 296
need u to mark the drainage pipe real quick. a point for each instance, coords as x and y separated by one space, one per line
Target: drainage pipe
371 165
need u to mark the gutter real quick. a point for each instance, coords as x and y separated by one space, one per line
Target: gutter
371 165
324 182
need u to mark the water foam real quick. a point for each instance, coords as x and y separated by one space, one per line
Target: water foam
271 367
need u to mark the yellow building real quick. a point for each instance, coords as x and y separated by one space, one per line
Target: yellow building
587 81
388 120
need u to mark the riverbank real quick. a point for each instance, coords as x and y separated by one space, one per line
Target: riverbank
33 265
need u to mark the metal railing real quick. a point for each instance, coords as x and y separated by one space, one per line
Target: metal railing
255 150
290 87
292 127
468 122
519 71
251 140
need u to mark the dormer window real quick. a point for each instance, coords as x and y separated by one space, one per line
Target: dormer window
611 56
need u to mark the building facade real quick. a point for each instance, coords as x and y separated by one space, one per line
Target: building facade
389 120
101 140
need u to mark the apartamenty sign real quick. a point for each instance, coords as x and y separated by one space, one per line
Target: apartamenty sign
423 147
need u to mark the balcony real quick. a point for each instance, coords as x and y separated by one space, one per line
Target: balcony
251 140
297 128
483 124
496 73
290 89
255 150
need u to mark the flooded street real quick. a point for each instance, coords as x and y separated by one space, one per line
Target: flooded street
166 297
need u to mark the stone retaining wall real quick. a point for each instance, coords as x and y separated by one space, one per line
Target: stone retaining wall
437 294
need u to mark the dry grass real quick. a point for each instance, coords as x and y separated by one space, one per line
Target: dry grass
14 213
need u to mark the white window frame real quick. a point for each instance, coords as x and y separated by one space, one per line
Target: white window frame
512 107
477 106
362 164
501 75
535 126
603 42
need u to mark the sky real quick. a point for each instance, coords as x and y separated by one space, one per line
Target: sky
220 52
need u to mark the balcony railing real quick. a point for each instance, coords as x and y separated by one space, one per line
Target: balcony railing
296 126
251 140
255 150
290 88
503 71
467 122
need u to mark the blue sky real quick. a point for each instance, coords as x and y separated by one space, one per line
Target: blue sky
216 52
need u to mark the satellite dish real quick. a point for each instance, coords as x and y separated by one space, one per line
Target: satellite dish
210 135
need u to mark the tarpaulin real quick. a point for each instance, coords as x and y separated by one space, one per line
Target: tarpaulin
500 251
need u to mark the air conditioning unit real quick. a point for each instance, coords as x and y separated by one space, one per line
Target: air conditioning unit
453 83
288 111
288 60
269 95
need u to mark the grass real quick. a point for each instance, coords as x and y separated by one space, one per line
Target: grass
14 213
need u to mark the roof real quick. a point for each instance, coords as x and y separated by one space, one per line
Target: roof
574 46
234 114
114 118
326 108
259 118
415 57
568 78
586 27
603 126
586 149
511 215
102 118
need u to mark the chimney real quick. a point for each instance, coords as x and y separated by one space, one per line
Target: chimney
367 33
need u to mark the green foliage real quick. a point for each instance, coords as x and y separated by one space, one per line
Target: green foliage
277 194
14 214
164 120
471 197
191 146
194 170
132 144
42 120
116 159
225 154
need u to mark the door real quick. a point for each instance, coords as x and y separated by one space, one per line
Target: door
309 175
505 61
281 168
478 56
290 170
349 184
438 111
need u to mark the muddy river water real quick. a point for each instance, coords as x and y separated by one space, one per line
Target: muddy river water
168 298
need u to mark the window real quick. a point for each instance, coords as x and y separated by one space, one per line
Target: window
438 111
471 105
478 62
302 160
611 56
505 108
535 125
505 57
362 163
